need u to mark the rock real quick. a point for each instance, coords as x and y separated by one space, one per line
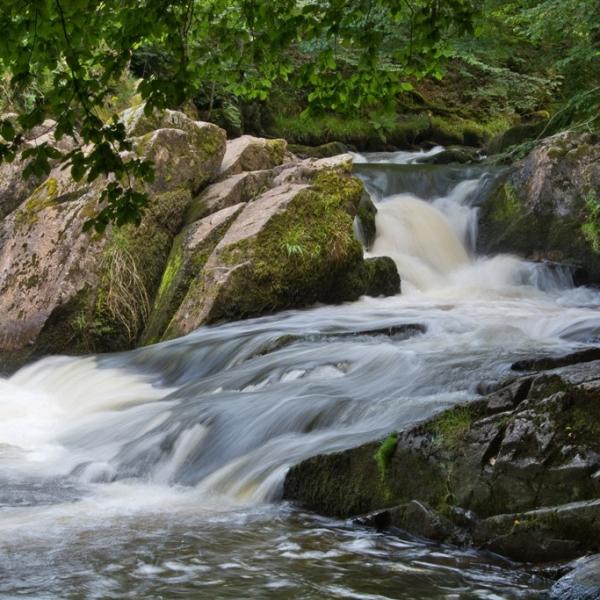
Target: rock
63 290
418 519
517 134
453 154
189 253
322 151
582 583
365 221
14 189
242 187
555 192
248 153
522 463
382 277
545 534
291 247
553 362
187 158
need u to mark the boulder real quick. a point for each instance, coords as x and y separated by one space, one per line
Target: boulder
242 187
63 290
289 248
14 188
582 583
555 193
189 253
516 472
249 153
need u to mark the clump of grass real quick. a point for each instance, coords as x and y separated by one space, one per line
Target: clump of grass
451 427
125 299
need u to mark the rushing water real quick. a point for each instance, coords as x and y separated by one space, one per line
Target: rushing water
157 473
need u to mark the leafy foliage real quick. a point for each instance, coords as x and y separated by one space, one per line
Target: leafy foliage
63 59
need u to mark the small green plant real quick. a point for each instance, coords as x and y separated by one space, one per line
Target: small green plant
591 227
294 249
384 453
451 427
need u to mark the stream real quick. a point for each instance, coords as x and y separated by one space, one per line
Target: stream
158 473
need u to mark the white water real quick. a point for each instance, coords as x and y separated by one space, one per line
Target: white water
193 435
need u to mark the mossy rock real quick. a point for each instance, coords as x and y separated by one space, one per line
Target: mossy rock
548 207
291 247
365 216
322 151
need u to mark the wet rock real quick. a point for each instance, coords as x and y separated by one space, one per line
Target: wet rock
365 219
382 277
582 583
417 519
453 154
523 464
248 153
554 192
553 362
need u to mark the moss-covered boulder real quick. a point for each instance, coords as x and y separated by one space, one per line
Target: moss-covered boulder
249 153
291 247
549 206
515 472
322 151
189 253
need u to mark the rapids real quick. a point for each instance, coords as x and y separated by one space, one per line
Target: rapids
157 473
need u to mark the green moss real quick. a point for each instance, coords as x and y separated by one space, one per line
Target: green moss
277 150
42 197
384 453
591 226
451 427
299 256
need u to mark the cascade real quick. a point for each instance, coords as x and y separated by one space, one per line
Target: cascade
193 437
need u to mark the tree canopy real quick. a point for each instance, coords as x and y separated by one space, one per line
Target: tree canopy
63 58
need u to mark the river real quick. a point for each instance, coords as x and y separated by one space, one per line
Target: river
158 473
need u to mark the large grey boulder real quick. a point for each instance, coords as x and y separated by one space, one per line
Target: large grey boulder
549 205
64 290
582 583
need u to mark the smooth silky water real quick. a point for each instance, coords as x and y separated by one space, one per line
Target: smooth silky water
157 473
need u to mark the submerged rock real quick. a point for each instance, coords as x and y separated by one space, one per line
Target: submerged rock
549 206
517 472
